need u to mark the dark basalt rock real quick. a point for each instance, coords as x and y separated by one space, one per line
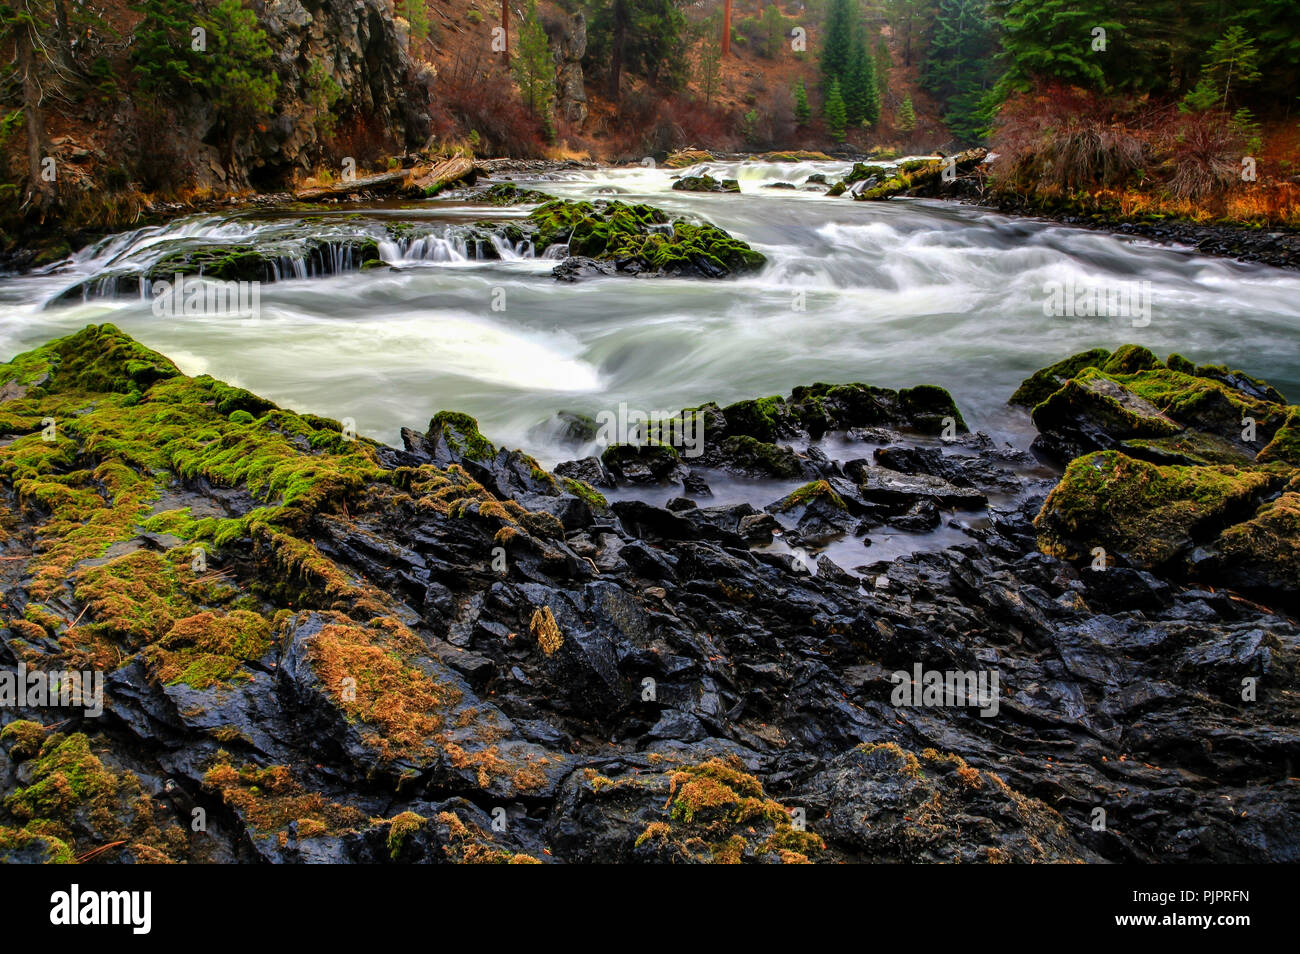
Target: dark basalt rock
430 633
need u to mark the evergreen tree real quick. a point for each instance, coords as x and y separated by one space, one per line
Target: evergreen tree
238 79
644 37
534 67
774 28
1053 39
834 111
802 111
837 47
709 70
162 55
1232 60
883 61
959 68
906 116
861 95
417 15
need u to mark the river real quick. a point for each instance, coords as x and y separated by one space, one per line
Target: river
893 294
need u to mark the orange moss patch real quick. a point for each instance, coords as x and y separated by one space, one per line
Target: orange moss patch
545 630
270 798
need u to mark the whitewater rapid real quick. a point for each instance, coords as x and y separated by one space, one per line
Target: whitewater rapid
892 294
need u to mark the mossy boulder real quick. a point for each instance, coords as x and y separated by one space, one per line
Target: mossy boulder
1148 514
763 419
931 410
923 176
1172 466
816 490
745 455
262 262
705 183
1043 384
649 461
641 239
507 193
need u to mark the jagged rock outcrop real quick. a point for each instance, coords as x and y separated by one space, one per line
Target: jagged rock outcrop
355 44
333 650
570 48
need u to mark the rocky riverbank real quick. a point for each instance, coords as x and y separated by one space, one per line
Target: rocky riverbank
962 178
316 647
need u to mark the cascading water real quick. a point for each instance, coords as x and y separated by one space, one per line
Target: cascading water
894 294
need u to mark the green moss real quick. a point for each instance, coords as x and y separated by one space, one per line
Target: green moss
1267 546
583 490
927 406
507 193
205 649
399 828
765 458
1129 359
23 846
625 233
1041 385
815 490
1106 404
462 435
64 775
22 739
1285 445
762 418
1150 513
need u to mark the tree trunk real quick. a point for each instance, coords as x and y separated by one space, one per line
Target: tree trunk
616 49
726 27
41 193
505 30
63 44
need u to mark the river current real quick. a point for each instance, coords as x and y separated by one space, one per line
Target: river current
895 294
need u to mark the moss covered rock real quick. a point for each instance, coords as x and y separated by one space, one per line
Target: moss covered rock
641 239
1194 473
704 183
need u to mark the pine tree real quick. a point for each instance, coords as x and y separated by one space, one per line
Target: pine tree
1053 39
802 111
837 48
417 15
238 78
883 61
959 68
774 30
834 111
709 70
534 67
906 116
162 54
861 95
1232 59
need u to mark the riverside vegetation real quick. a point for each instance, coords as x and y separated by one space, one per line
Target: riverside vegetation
329 649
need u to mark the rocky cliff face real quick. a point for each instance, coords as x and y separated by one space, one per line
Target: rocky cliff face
355 45
570 48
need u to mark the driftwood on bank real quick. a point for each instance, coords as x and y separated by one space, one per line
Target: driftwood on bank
424 179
